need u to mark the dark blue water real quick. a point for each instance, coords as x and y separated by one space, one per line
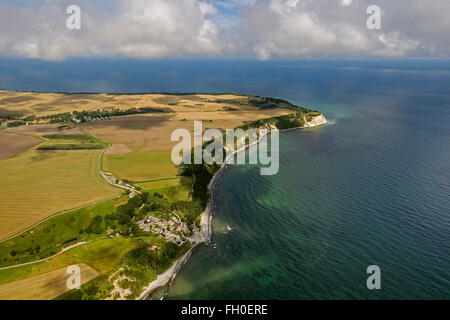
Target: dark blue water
373 187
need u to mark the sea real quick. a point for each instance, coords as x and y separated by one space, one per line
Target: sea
371 188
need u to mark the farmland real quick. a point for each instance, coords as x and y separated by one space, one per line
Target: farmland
99 262
42 104
177 189
50 236
44 286
13 144
140 166
37 184
54 171
152 132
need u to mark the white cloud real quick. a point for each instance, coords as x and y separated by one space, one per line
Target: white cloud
135 28
261 28
331 28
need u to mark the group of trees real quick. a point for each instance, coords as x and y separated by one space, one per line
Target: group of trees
29 250
123 219
66 117
95 226
106 113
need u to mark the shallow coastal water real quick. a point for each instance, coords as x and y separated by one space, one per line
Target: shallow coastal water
373 187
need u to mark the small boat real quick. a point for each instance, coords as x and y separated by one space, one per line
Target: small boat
229 228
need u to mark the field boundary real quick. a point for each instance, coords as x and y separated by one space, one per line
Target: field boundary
51 257
24 134
157 179
58 214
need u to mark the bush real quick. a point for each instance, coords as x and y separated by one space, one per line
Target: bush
95 226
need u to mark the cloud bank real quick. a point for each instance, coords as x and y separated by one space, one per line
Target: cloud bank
261 29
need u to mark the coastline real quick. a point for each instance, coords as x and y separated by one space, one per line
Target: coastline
169 275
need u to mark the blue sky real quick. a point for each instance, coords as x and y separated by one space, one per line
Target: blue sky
258 29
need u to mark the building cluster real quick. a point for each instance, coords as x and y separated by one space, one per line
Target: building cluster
90 119
5 123
172 230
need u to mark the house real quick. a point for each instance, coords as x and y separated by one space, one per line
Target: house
42 121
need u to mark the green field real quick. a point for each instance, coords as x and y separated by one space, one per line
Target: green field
106 256
71 142
49 237
102 255
177 189
37 184
125 257
140 166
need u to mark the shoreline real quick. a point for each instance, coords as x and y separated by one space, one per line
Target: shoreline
169 275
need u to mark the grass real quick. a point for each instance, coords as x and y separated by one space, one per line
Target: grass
76 137
37 184
177 189
71 146
51 236
102 255
140 166
109 256
43 286
71 142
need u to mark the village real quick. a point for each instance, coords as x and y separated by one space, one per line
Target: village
14 123
173 230
89 119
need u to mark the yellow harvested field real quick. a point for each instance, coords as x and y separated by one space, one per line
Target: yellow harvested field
37 184
13 144
40 130
152 132
44 286
42 104
140 166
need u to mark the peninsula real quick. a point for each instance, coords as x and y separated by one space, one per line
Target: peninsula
92 176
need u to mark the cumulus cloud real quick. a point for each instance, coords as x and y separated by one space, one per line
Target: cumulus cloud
263 29
290 29
135 28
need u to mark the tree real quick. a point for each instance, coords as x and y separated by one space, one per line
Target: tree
92 290
95 226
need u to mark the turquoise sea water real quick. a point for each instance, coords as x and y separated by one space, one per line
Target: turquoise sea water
371 188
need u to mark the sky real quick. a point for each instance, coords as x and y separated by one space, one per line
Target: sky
255 29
